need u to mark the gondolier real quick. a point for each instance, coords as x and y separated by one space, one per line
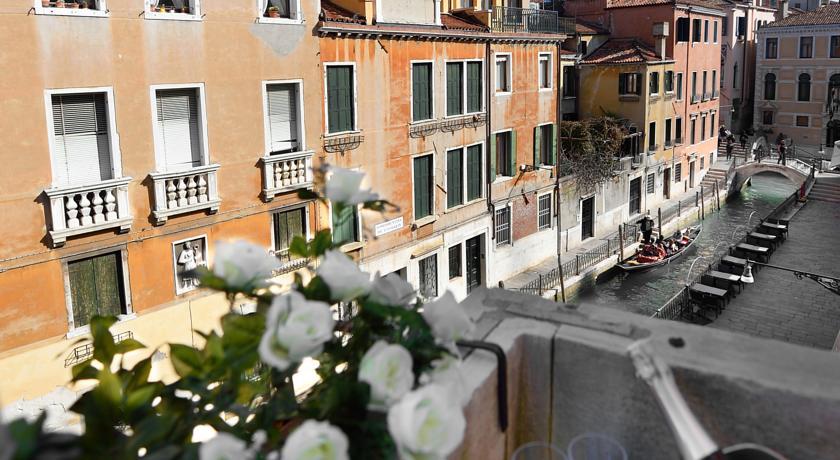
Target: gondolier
646 227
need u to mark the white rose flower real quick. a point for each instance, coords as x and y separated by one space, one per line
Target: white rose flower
343 277
316 441
388 371
295 329
426 425
447 372
391 290
242 264
224 446
343 186
448 319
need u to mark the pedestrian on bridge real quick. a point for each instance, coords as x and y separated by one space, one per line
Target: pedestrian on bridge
743 138
729 147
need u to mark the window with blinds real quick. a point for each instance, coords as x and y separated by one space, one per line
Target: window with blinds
474 172
340 87
423 178
454 178
282 104
178 134
96 287
345 225
421 91
82 148
286 226
651 183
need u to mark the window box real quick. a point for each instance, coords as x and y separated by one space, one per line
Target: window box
76 210
284 173
180 192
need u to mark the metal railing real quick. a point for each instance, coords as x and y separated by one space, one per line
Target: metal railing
85 351
529 20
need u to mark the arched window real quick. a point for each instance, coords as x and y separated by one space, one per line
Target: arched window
804 87
770 86
833 102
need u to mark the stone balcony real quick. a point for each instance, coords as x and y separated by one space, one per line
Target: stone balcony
286 172
180 192
77 210
569 372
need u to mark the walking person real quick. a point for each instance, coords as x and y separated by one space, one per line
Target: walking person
729 147
780 142
743 138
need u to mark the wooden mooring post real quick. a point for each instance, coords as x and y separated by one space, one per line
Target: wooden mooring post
702 203
659 215
621 242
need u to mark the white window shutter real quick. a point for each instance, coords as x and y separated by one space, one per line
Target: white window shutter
282 117
178 132
82 146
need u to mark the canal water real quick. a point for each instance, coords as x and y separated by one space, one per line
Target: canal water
647 291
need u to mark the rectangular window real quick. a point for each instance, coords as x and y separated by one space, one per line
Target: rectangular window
703 128
715 31
669 81
678 172
806 47
340 99
802 120
505 154
693 130
742 27
503 73
714 83
834 47
544 145
771 48
668 142
697 31
569 82
96 287
724 27
81 135
544 212
694 96
683 32
283 128
422 98
474 172
428 276
454 178
454 88
654 83
767 117
475 87
678 130
702 162
712 126
706 31
423 186
170 9
651 183
629 84
652 137
178 135
455 261
285 9
545 71
679 86
346 225
503 226
705 93
286 225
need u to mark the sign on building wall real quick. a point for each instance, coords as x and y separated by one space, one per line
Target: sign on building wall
388 226
188 255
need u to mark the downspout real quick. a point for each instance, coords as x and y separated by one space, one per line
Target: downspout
488 133
688 102
559 155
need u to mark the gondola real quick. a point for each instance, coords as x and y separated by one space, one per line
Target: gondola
631 264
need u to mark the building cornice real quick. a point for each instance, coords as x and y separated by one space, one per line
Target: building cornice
325 29
702 10
798 29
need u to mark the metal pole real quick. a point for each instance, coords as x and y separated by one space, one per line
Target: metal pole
659 212
577 264
702 203
679 208
621 242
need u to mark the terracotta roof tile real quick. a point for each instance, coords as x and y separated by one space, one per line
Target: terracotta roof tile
461 22
714 4
332 12
589 28
621 51
829 14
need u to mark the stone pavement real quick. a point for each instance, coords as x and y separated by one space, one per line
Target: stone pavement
780 306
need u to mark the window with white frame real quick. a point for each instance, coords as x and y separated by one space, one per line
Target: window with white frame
72 7
173 9
279 9
97 285
178 128
545 73
503 73
346 226
187 256
502 224
341 98
82 150
424 198
651 183
464 88
286 224
544 212
283 117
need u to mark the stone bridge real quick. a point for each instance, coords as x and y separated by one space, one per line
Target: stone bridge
795 170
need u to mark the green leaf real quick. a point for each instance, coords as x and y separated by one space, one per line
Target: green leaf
103 342
109 389
128 345
140 373
240 330
299 247
140 397
306 194
321 243
84 371
185 359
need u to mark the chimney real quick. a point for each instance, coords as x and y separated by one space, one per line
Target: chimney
782 11
660 34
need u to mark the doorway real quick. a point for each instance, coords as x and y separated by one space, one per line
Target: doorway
832 133
691 175
475 261
587 218
635 196
666 183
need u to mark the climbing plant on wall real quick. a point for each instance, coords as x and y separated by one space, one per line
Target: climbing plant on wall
588 150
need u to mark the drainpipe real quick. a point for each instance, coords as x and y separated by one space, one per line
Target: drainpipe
488 107
688 103
558 156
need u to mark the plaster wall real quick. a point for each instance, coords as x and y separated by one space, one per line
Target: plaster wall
408 11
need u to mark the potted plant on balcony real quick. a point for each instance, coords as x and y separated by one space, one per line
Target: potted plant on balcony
45 3
273 12
74 5
83 4
184 9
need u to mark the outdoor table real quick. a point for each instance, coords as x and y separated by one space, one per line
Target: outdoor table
760 251
771 239
729 278
734 261
719 296
781 229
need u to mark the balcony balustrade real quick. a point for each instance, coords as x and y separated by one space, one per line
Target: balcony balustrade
186 191
529 20
77 210
283 173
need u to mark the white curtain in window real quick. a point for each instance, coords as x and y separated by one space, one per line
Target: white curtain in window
178 131
82 147
282 117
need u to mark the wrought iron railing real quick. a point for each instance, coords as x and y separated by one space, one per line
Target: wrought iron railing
85 351
529 20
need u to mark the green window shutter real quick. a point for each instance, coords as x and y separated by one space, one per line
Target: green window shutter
454 88
340 98
474 87
344 225
454 178
512 153
474 172
422 186
554 144
422 91
492 157
537 139
95 287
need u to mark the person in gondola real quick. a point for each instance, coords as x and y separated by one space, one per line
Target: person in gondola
646 227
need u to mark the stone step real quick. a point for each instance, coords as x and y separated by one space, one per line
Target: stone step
826 186
824 193
829 199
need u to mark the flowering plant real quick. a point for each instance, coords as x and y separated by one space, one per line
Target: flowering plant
389 383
